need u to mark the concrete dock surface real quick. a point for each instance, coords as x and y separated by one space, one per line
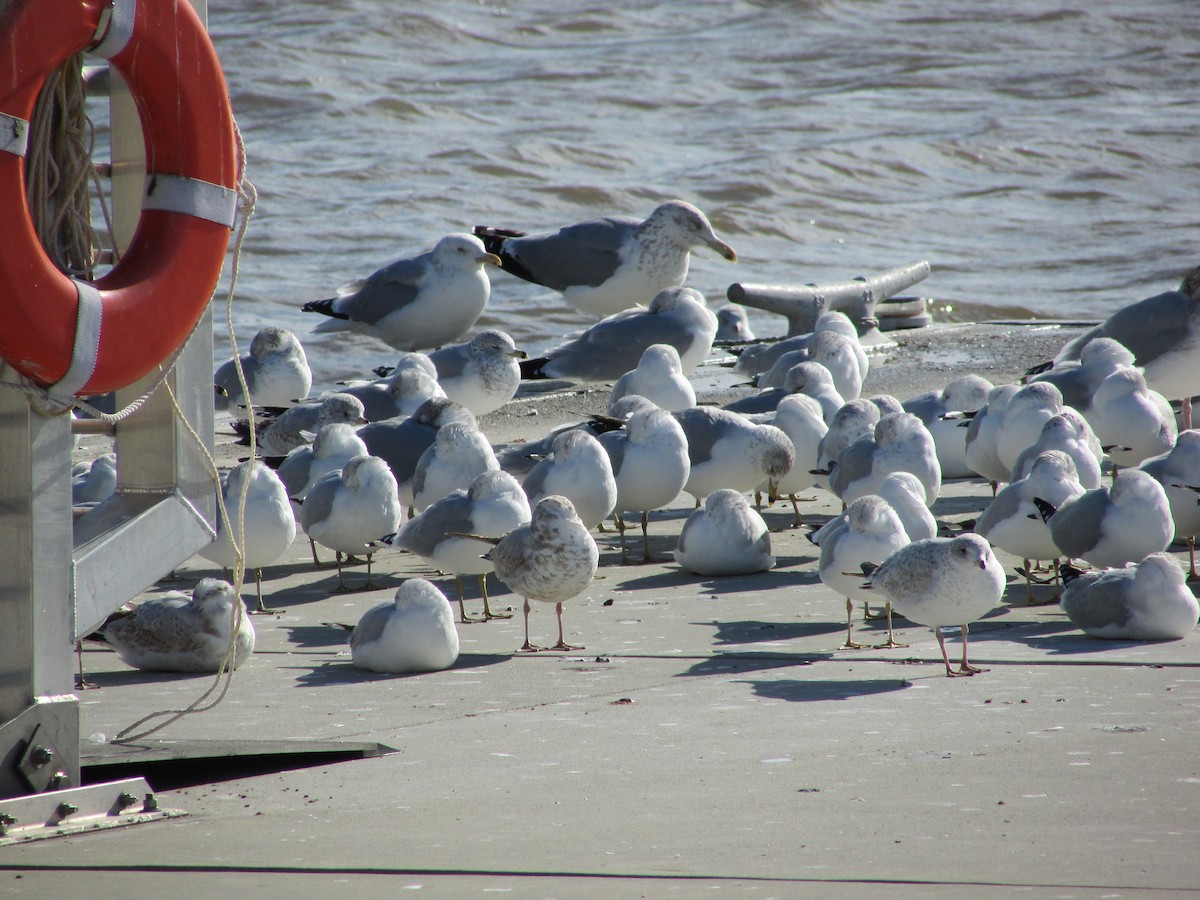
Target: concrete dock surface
711 740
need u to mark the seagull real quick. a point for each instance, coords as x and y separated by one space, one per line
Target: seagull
481 374
1145 602
493 504
904 494
613 346
942 412
417 302
265 525
398 394
810 378
1027 411
727 450
579 469
400 442
939 582
900 443
1069 432
842 356
1077 380
458 453
414 632
1132 421
1012 521
552 559
759 358
733 324
279 431
854 420
347 511
650 464
1163 333
177 633
1112 526
725 537
94 481
799 417
659 378
606 265
276 372
871 530
982 456
1178 471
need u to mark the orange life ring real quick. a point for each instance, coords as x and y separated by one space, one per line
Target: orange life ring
79 337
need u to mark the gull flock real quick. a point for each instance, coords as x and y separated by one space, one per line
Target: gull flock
1092 470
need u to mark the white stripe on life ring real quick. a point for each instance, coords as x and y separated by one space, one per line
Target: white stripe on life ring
192 197
14 135
87 342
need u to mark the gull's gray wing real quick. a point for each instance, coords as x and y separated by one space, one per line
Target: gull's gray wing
450 361
422 534
584 254
392 287
1078 526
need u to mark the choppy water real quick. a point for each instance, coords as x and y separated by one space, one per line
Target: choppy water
1043 160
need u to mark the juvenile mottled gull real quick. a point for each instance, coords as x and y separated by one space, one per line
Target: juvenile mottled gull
552 559
269 524
493 504
603 266
417 302
413 632
871 530
481 374
1113 527
177 633
276 372
940 582
613 346
347 511
1145 602
725 537
659 378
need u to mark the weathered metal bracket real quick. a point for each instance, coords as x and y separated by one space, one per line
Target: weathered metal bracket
77 810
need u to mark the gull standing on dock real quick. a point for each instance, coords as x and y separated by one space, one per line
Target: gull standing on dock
871 530
726 450
650 464
400 442
276 372
942 582
399 394
279 432
603 266
799 417
1178 471
944 414
481 374
413 632
614 346
1132 421
900 443
177 633
347 511
494 504
1112 526
267 529
417 302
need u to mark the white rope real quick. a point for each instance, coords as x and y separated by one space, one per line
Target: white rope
248 199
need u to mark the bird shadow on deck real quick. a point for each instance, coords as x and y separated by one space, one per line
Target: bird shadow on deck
338 672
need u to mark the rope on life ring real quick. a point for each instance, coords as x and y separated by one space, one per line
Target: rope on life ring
72 336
